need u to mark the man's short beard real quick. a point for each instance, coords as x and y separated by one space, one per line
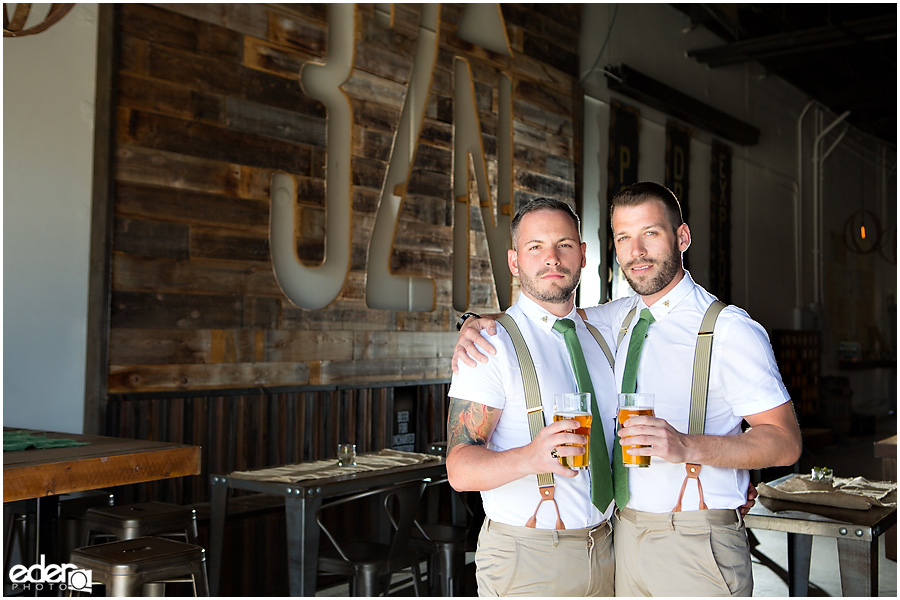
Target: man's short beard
556 294
668 269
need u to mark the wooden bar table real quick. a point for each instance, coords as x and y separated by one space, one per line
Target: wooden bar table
102 461
856 532
302 499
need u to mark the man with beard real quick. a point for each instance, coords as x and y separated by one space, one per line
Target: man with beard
564 546
675 536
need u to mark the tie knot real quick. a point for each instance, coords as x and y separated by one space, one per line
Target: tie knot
647 315
564 325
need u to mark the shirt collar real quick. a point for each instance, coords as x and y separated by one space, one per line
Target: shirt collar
541 316
667 303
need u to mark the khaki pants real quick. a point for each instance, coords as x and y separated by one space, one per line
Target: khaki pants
520 561
696 553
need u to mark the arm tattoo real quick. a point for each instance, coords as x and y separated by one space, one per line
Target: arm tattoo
470 423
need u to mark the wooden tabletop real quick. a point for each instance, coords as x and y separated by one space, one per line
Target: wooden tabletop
817 519
102 462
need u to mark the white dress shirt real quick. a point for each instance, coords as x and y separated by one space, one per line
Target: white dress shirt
498 384
744 380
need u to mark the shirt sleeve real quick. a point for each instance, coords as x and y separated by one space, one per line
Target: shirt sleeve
604 316
485 382
746 366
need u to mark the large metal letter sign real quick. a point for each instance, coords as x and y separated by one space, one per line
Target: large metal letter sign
496 204
483 25
383 288
316 287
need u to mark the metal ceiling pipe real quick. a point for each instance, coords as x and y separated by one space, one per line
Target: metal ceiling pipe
798 223
818 161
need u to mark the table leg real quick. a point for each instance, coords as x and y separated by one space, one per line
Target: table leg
47 525
302 542
799 554
859 567
219 492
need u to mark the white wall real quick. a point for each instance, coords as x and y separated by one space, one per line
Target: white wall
48 131
763 175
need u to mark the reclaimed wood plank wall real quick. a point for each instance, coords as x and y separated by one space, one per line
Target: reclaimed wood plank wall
208 106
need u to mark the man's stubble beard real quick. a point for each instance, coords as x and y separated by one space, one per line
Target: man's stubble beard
668 269
556 294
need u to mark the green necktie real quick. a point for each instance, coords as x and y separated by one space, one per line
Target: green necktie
629 384
601 476
629 379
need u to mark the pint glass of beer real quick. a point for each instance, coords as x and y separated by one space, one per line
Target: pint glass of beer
575 406
634 405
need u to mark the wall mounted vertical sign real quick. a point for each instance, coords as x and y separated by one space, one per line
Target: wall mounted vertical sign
720 222
678 163
622 166
678 167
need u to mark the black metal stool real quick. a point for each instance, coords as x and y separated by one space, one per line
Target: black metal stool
131 521
126 567
445 546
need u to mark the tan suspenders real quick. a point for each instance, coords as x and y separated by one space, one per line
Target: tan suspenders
610 357
699 393
699 387
535 408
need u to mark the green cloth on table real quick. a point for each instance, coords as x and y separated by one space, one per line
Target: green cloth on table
23 439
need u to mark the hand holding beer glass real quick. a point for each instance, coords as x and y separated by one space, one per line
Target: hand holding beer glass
634 405
575 406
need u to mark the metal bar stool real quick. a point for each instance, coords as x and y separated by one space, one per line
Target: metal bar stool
131 521
131 567
72 508
20 531
370 564
444 544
